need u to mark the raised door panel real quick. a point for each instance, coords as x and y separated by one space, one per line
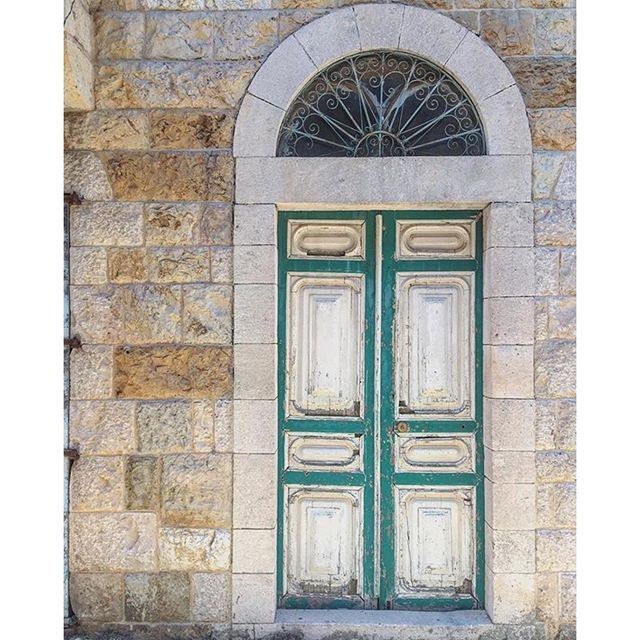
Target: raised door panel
433 453
323 452
326 239
434 239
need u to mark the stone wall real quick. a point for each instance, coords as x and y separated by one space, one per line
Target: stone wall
151 296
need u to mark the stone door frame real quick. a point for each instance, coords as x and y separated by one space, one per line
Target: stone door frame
499 183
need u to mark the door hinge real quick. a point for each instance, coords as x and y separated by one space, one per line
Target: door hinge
73 343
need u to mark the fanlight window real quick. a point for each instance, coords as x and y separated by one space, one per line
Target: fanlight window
382 103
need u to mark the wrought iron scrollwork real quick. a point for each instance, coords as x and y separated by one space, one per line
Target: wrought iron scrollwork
381 103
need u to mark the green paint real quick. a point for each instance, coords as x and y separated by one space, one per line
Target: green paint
364 426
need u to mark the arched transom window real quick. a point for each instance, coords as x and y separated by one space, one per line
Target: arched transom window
381 103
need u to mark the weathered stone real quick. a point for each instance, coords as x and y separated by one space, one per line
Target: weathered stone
127 265
541 319
254 598
107 223
101 426
211 596
178 36
88 265
179 265
142 483
565 188
216 225
555 369
244 34
556 505
222 264
562 318
194 549
166 85
555 550
555 223
90 372
191 129
546 171
553 129
546 4
172 224
151 314
556 466
97 484
547 597
568 597
224 426
545 82
555 424
509 33
113 5
468 19
172 372
77 24
567 272
170 176
566 431
180 5
96 314
101 130
196 490
78 76
119 35
511 551
112 541
97 597
508 371
483 4
207 314
202 412
254 550
555 33
84 174
547 268
291 21
159 597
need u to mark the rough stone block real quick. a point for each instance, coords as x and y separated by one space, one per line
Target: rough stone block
194 549
255 426
97 597
167 427
85 175
97 314
254 551
555 369
142 483
510 506
508 224
511 551
222 264
112 542
151 314
178 36
568 597
510 597
119 35
553 129
547 270
556 466
562 318
255 371
254 598
547 598
78 77
190 129
102 130
510 466
556 505
91 371
102 426
224 426
78 24
172 372
173 264
207 314
255 312
555 223
127 265
555 424
567 273
196 490
97 484
555 550
255 224
508 371
156 597
216 225
211 596
509 424
508 321
254 491
239 35
88 265
107 224
555 32
545 81
546 171
509 33
290 21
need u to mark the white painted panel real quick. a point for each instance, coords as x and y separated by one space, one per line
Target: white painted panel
434 239
325 347
434 344
426 453
326 238
309 452
324 541
435 549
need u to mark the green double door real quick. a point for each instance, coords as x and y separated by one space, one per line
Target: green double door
380 500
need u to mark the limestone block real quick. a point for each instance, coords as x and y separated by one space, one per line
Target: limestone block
555 32
468 19
556 466
78 77
510 466
211 596
509 33
196 490
90 372
547 598
158 84
102 130
555 369
77 24
106 223
222 264
151 314
254 491
508 321
506 126
156 597
173 264
178 36
112 542
97 597
254 598
566 424
194 549
190 129
546 171
168 426
555 223
562 318
216 226
119 35
142 483
97 314
113 5
553 129
509 272
255 426
510 597
256 128
172 224
171 5
97 484
244 34
84 174
170 176
207 314
567 273
511 551
127 265
88 265
509 424
545 81
510 506
555 550
508 371
508 224
254 313
224 426
379 26
172 372
255 224
547 271
556 505
254 550
101 427
484 4
568 597
565 188
255 371
255 264
290 21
